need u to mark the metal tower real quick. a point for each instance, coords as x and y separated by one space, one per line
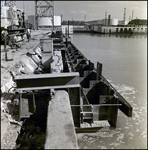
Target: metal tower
44 9
10 3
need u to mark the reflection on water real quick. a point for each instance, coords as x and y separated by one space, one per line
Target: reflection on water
142 35
130 133
124 59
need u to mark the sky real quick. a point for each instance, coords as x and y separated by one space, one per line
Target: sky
91 10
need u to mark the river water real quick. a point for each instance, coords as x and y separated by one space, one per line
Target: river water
124 60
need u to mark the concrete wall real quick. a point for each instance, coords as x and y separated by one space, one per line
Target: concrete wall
106 21
113 29
123 29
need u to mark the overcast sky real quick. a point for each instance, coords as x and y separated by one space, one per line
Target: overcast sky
93 10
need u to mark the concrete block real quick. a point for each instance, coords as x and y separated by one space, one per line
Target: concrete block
30 65
8 56
60 132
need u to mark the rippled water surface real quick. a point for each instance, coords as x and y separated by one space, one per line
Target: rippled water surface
124 60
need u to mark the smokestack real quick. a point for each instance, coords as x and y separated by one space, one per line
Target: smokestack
105 18
132 15
129 18
61 18
124 16
84 18
109 20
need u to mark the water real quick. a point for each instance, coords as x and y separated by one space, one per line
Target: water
124 60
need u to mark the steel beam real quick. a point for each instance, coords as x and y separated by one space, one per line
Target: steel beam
47 81
126 108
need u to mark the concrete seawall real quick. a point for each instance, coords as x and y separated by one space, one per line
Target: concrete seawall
60 122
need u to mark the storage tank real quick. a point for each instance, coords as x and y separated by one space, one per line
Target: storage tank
46 21
114 21
57 20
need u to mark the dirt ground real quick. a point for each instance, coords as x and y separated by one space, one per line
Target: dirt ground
9 127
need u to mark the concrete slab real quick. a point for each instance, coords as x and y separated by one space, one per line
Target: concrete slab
60 132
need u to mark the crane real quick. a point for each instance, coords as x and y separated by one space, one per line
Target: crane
44 9
9 19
